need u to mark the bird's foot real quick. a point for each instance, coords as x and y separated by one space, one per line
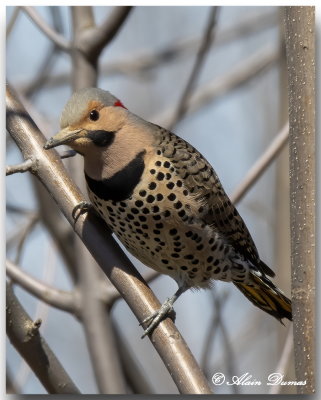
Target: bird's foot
153 320
81 208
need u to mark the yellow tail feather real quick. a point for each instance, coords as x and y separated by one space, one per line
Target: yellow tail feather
265 295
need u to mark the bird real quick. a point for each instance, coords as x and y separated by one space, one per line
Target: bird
164 202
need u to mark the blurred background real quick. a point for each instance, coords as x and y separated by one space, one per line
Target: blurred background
236 107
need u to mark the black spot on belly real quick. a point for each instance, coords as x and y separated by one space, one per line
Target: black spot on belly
122 184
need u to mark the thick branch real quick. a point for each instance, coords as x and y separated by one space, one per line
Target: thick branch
51 34
166 339
57 298
300 49
25 337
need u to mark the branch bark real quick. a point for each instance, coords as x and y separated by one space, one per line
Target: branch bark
57 298
25 337
166 339
300 49
22 167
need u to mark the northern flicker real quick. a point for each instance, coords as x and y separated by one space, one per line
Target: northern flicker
164 202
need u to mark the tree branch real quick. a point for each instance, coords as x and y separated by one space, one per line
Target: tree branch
12 21
241 74
59 40
261 164
25 337
23 167
98 327
300 51
199 62
94 40
284 360
145 61
60 299
166 339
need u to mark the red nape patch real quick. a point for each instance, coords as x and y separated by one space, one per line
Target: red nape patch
118 103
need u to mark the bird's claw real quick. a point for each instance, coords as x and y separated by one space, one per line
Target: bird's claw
81 208
153 320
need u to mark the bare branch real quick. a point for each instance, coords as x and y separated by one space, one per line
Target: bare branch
212 330
241 74
135 376
11 208
12 21
261 164
111 295
199 62
25 233
60 299
23 167
98 327
96 39
11 387
145 61
25 337
46 66
166 339
284 360
59 40
300 52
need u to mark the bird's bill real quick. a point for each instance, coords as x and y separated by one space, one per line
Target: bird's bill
62 137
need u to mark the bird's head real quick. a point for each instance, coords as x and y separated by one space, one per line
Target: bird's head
99 127
90 118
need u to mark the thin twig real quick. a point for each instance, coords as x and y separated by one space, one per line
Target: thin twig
199 62
25 337
42 72
242 73
34 219
12 21
60 299
261 164
228 348
284 360
23 167
96 39
144 61
212 331
54 36
11 387
12 208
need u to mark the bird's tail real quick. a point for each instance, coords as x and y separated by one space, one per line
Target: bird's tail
265 295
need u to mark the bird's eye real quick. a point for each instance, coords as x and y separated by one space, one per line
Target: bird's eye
94 115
